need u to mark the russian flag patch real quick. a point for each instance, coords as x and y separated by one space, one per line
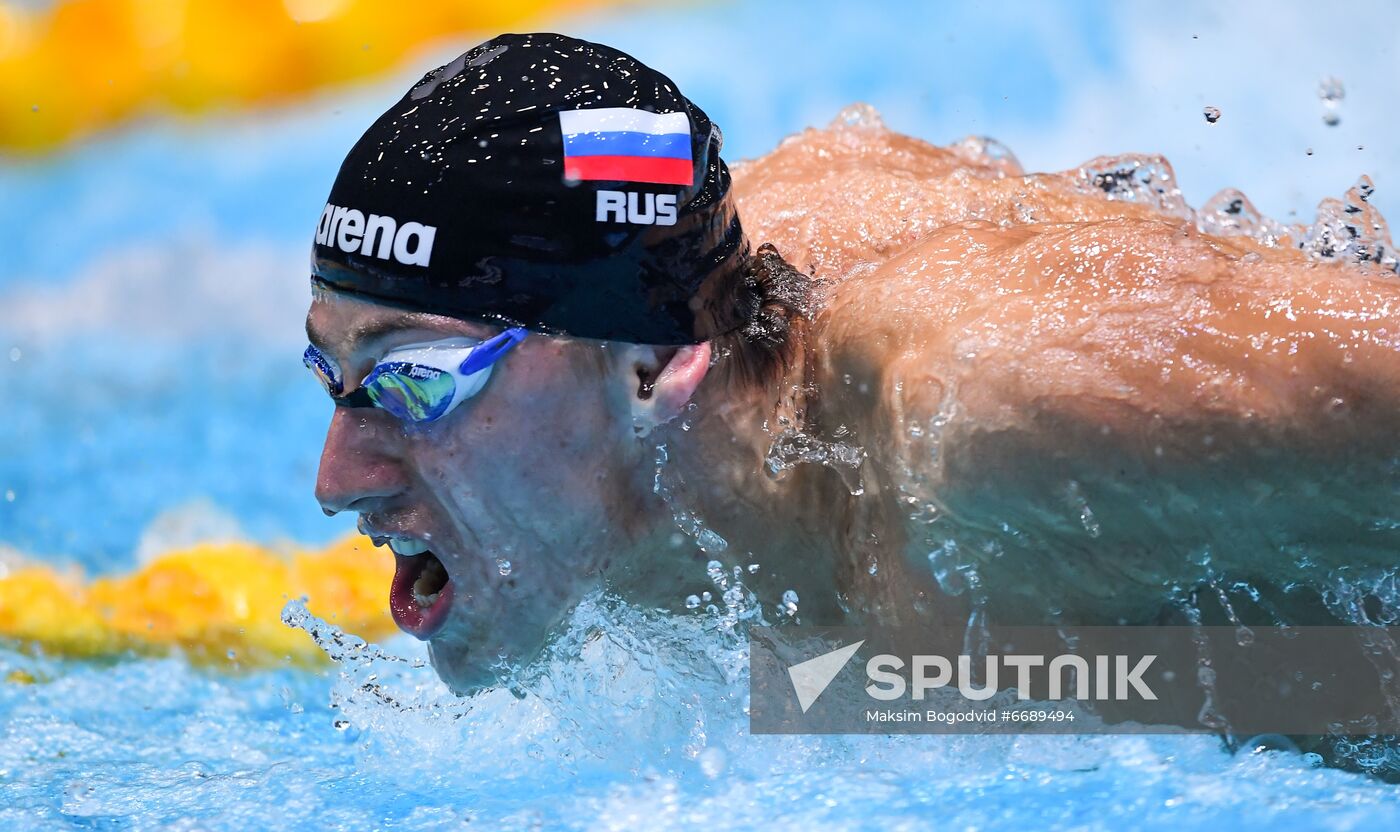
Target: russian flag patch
621 144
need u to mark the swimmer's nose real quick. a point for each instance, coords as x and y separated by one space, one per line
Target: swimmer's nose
358 468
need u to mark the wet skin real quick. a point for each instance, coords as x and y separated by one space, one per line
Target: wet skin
534 471
1082 406
1088 406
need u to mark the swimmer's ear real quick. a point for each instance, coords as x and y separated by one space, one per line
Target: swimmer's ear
664 380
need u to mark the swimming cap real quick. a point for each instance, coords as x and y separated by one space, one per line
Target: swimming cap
547 182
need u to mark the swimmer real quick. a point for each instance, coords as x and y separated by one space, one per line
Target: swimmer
912 383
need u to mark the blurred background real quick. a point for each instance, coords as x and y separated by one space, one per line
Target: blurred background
163 164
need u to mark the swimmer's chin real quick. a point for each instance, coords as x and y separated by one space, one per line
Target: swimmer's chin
457 669
468 669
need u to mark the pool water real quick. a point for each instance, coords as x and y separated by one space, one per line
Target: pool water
635 721
151 295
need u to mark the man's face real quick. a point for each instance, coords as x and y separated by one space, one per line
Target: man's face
519 492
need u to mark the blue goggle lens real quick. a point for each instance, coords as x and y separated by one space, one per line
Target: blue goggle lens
325 371
411 392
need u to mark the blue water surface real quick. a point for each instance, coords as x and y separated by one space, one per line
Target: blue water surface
633 724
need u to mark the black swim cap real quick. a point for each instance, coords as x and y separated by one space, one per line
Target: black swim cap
542 181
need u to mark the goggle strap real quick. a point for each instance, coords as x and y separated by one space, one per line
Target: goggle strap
359 397
488 352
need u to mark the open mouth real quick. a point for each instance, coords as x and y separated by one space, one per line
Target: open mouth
421 594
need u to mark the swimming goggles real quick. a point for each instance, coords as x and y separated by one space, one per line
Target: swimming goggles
419 382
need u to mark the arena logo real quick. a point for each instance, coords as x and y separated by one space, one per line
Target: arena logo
635 208
1108 677
348 229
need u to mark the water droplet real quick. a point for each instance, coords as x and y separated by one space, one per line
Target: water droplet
947 568
692 602
706 596
503 566
1080 504
709 540
1212 114
1330 89
712 762
15 354
790 603
9 495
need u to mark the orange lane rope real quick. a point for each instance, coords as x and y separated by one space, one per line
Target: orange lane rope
218 603
80 65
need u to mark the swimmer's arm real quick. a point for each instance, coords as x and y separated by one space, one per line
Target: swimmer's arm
1252 415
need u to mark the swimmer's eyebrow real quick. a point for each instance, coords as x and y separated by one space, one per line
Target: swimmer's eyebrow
363 334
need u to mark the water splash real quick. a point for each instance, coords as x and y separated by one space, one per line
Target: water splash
740 603
644 714
374 687
1350 230
669 485
1144 179
792 447
1231 214
632 675
988 152
858 116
